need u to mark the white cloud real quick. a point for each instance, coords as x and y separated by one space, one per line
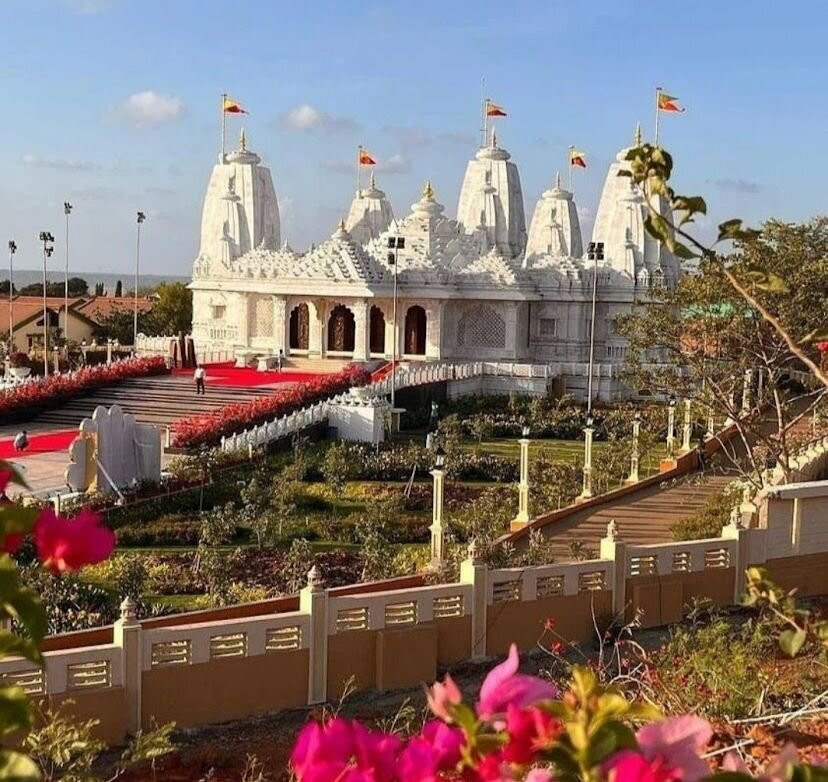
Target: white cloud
146 109
412 137
58 164
306 118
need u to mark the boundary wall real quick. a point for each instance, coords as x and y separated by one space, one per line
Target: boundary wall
233 663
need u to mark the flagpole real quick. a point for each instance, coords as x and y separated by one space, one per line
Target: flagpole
569 161
223 125
358 156
658 93
483 103
486 122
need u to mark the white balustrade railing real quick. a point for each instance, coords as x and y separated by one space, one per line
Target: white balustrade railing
270 431
535 583
687 556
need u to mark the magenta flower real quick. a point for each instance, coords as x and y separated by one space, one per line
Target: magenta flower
678 741
346 751
538 775
65 544
629 766
441 696
504 686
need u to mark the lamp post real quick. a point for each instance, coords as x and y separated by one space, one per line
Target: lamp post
140 220
48 249
436 528
522 518
595 252
634 456
56 359
12 251
685 435
109 351
67 210
395 244
586 492
671 425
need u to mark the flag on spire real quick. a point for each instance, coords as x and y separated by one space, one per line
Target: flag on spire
365 158
577 158
669 103
230 106
493 110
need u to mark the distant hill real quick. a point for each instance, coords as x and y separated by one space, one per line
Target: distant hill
28 276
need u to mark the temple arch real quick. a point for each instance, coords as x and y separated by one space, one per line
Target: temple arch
415 331
377 330
299 338
341 330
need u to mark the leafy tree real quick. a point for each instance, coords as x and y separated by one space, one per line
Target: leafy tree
78 286
218 526
119 289
481 428
285 493
4 287
337 468
173 311
119 324
298 562
99 289
256 511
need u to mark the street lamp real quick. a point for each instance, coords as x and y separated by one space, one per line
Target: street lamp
634 457
436 528
671 425
141 218
688 427
67 210
595 252
522 518
586 492
12 251
48 249
395 244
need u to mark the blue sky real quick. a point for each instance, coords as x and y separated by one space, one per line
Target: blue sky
403 79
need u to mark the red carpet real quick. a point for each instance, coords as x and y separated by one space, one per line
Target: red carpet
38 443
229 375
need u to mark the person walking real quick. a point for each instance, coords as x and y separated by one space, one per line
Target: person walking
21 441
200 375
280 360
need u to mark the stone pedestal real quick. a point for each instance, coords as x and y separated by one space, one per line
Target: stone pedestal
359 416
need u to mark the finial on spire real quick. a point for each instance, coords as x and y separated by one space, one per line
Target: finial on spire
637 137
242 141
341 223
428 191
558 179
372 180
494 139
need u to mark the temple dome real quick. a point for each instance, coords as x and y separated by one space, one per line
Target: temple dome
240 209
619 224
370 214
491 200
555 229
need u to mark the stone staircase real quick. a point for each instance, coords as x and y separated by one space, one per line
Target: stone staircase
154 400
324 365
646 516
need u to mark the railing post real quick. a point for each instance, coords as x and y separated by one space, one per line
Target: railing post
475 573
313 600
612 547
127 635
733 531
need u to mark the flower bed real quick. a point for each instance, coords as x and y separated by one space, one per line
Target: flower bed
58 388
209 428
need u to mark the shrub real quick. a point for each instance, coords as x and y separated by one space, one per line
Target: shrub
711 517
209 428
172 530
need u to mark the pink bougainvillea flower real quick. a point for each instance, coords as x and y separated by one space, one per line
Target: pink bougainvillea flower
530 731
629 766
65 544
446 741
441 696
822 346
678 741
504 686
538 775
346 751
777 770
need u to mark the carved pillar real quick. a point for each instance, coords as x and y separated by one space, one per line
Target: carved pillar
242 320
434 330
362 332
280 324
317 313
390 329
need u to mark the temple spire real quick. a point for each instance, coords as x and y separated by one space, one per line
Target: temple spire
637 139
428 191
558 179
373 184
242 141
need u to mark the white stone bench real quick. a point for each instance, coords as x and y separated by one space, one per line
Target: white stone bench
244 357
266 363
